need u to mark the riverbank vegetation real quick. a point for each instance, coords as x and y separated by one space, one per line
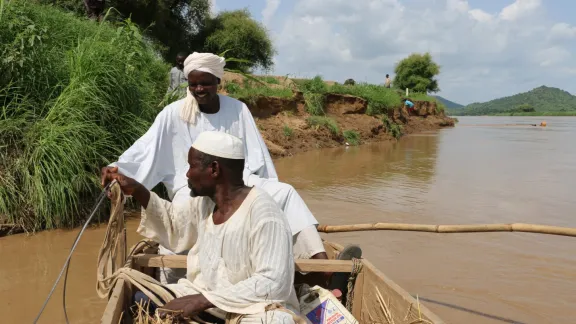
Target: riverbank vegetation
74 94
380 99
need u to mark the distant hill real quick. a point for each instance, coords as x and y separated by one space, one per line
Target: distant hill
449 104
537 100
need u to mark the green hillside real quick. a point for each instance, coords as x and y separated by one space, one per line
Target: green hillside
449 104
539 101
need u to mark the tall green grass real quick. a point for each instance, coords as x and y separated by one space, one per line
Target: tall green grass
321 121
74 94
380 99
250 91
391 127
314 91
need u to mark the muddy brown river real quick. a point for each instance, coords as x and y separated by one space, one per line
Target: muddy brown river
485 170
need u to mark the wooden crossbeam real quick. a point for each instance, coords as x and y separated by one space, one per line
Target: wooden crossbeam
303 265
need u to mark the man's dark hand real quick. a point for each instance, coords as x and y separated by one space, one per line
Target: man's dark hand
129 186
186 307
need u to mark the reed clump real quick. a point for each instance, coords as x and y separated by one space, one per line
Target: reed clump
74 94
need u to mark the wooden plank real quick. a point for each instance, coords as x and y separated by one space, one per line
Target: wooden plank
384 299
330 251
303 265
114 308
358 293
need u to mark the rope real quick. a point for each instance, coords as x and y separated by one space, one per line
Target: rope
113 263
356 268
67 263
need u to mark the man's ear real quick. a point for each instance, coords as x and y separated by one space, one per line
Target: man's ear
214 169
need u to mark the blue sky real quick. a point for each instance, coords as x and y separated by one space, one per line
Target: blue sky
486 48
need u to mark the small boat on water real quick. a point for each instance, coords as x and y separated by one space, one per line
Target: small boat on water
375 299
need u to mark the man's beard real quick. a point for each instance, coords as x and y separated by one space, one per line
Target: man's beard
193 192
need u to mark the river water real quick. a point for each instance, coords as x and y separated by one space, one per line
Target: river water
485 170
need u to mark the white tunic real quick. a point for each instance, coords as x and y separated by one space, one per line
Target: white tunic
240 266
160 155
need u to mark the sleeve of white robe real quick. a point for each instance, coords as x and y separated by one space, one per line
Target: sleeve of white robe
272 263
258 159
173 225
150 160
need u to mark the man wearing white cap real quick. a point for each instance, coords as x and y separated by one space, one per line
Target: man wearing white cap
241 261
159 155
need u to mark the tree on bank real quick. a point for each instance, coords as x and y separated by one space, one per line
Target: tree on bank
186 25
243 38
417 72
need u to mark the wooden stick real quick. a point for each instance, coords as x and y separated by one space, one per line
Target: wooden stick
516 227
304 265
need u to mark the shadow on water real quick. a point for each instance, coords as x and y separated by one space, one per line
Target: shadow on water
471 311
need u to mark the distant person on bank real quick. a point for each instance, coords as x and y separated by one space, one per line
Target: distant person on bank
388 81
409 105
177 76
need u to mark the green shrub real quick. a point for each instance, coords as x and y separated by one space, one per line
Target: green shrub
352 137
380 99
314 85
320 121
288 132
314 103
270 80
394 129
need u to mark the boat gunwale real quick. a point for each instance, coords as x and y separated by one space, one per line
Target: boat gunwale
121 291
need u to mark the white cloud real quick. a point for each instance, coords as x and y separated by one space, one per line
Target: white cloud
563 31
480 15
519 9
499 53
269 10
551 56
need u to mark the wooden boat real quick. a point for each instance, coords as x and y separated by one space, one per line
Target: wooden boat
376 298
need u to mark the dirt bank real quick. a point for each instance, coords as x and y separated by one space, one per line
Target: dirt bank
287 130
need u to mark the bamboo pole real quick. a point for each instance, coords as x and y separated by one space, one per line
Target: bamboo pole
516 227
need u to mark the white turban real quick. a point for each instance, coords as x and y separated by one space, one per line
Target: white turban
220 144
205 62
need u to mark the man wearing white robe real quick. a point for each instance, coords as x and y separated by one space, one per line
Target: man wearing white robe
159 155
241 261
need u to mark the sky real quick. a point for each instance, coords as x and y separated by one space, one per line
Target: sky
487 49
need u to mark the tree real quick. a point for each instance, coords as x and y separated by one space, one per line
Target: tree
242 37
417 72
524 108
176 24
186 25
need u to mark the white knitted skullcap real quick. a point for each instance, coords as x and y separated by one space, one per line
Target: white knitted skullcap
219 144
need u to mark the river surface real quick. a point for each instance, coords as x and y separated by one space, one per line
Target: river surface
485 170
